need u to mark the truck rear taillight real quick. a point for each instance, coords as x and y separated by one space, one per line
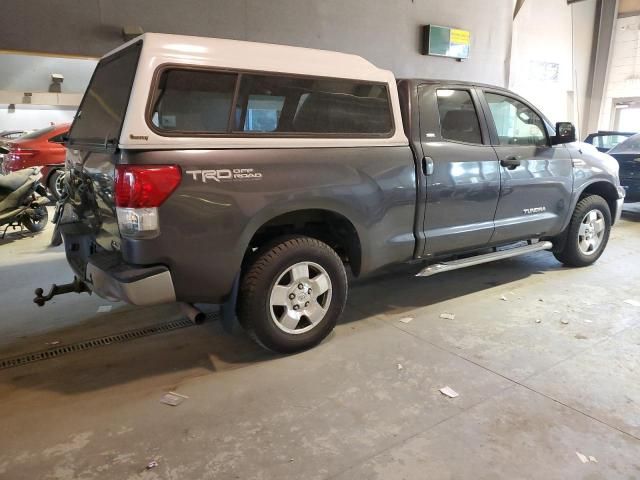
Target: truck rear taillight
139 191
144 186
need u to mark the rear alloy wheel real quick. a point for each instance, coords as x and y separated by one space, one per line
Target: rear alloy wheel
292 294
36 222
56 184
300 298
588 232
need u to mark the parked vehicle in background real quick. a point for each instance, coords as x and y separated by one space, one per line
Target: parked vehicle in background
214 171
604 140
23 201
7 136
41 148
627 153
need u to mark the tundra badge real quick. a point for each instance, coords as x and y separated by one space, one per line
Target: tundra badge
531 211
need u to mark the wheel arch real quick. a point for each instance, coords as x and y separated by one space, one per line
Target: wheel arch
604 189
329 225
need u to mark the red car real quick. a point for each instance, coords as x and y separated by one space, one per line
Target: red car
42 148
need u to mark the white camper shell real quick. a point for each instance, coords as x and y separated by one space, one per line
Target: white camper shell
158 51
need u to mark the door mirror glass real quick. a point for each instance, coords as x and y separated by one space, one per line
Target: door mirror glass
565 133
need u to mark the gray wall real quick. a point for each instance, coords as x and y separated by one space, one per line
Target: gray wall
32 73
387 32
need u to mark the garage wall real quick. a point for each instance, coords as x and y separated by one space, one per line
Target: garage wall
387 32
551 65
32 73
25 117
623 80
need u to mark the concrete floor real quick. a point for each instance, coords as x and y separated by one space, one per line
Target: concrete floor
531 394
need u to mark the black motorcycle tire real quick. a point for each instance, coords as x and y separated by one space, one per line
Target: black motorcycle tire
37 222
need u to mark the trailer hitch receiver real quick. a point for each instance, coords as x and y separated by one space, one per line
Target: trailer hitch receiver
77 286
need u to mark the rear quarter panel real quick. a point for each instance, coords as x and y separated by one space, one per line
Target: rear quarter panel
206 226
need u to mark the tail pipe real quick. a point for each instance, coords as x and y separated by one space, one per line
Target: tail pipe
195 315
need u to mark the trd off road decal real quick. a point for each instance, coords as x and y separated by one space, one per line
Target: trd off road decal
225 175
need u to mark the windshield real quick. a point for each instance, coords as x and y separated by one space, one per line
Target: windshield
630 145
99 118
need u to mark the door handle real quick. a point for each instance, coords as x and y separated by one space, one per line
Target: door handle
512 162
427 166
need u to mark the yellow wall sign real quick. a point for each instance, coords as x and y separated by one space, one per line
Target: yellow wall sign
460 37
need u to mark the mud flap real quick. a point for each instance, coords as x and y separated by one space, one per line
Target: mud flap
229 318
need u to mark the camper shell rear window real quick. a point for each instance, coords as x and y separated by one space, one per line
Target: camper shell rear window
98 121
207 102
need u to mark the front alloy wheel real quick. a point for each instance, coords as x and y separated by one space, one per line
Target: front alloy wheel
587 234
591 232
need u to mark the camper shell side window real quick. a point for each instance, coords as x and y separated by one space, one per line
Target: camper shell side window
198 101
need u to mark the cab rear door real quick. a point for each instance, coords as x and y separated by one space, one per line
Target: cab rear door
461 169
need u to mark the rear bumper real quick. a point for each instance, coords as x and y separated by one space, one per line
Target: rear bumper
114 280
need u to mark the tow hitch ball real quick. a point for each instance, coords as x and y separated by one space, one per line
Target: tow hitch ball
77 286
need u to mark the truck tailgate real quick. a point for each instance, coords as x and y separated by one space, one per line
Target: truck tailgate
91 198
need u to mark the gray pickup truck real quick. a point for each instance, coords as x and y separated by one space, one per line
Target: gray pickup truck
252 175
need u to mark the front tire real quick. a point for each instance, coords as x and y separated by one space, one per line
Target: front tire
587 234
292 294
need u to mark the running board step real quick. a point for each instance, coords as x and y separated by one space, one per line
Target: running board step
480 259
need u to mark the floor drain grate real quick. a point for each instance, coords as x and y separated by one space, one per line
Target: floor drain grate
121 337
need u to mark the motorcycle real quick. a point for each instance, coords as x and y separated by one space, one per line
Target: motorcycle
23 201
56 237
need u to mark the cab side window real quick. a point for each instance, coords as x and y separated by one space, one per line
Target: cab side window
60 138
516 123
609 141
458 117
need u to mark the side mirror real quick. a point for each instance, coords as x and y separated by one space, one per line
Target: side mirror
565 133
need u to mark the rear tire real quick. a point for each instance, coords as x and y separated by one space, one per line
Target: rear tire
56 184
587 234
292 294
37 222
